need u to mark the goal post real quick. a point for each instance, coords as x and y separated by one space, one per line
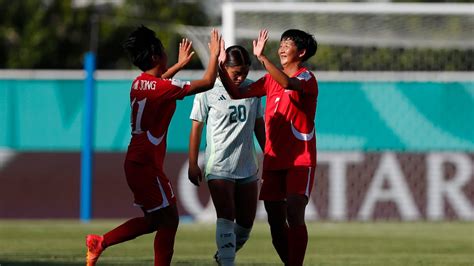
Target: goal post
438 25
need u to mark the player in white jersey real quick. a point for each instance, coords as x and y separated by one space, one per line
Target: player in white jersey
231 161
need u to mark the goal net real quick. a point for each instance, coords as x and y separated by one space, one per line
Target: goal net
356 24
359 36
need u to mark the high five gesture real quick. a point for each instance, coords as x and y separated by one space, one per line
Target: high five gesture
259 44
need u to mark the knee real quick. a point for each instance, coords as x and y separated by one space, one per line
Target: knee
245 219
163 218
276 220
246 223
296 217
171 221
276 213
296 211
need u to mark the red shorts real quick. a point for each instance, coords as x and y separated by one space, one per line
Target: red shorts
151 188
278 184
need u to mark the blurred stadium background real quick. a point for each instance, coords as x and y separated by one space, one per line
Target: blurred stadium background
395 128
395 117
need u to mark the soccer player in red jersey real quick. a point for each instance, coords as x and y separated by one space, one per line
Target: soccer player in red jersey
153 102
290 150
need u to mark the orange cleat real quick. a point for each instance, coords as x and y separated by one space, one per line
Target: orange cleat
94 249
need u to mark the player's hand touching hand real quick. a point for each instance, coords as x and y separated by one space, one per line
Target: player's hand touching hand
194 174
185 52
222 54
215 43
259 44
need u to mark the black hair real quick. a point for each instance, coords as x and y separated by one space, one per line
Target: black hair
302 41
237 56
141 45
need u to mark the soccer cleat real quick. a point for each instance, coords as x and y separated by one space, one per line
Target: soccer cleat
94 249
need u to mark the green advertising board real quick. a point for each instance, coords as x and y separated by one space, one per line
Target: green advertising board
43 115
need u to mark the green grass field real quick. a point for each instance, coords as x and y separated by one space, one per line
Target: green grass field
59 242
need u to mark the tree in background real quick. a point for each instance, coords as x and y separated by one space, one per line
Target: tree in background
42 34
55 35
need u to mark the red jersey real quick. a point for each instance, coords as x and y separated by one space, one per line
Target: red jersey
153 102
289 121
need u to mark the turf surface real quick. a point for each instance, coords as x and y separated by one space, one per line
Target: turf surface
59 242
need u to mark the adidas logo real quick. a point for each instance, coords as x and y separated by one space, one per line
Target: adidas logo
222 98
228 245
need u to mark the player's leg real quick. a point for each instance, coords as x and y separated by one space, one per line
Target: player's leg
138 176
246 193
164 221
165 217
222 193
273 193
276 212
126 231
299 184
167 221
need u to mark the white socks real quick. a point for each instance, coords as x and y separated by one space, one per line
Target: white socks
241 235
225 239
230 237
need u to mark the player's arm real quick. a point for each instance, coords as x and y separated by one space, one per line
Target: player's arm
184 56
234 91
279 76
259 131
194 172
207 81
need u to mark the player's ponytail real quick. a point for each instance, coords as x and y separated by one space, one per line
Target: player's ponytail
141 45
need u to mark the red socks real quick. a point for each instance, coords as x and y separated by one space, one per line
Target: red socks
164 244
297 242
164 238
127 231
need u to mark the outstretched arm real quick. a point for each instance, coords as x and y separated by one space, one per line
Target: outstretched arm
207 81
231 88
184 56
279 76
234 91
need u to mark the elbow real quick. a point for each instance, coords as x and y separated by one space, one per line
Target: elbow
208 86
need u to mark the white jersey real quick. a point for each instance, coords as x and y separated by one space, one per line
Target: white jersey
230 149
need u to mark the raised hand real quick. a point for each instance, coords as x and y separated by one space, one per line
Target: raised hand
185 53
215 43
222 53
184 56
259 44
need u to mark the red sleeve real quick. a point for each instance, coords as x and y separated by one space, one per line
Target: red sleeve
308 82
256 89
174 88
